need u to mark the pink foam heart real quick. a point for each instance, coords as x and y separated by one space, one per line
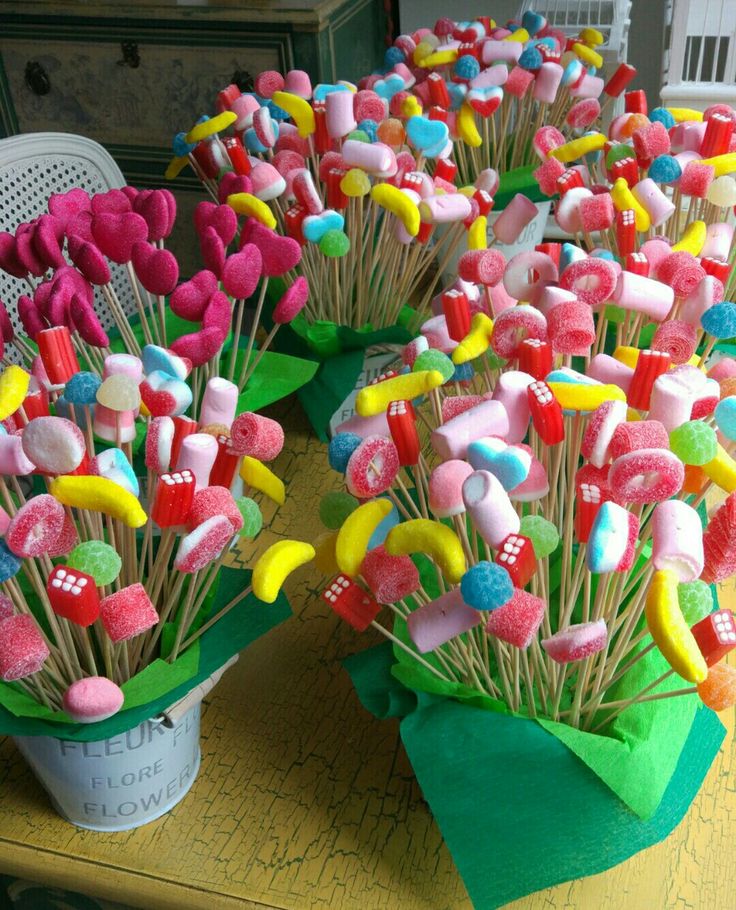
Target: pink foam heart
30 317
218 314
157 270
41 297
171 205
213 250
113 202
66 206
117 234
87 323
70 277
25 251
58 312
279 254
220 217
89 260
6 326
292 302
8 257
153 206
190 299
48 239
131 192
80 225
232 183
199 347
242 272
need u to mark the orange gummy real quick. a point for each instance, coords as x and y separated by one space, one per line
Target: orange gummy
718 691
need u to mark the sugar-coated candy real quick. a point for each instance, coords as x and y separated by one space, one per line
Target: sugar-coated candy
509 463
251 515
720 320
452 405
482 266
681 271
421 535
67 539
571 328
23 650
638 434
390 578
119 393
374 399
677 338
536 485
214 501
434 360
715 635
576 642
54 444
583 396
719 543
204 544
97 559
671 401
514 325
696 600
159 441
517 621
372 467
92 699
567 210
645 476
340 448
257 436
725 415
276 564
173 498
14 383
526 276
73 595
487 418
718 690
98 494
351 602
476 342
127 613
441 620
486 586
334 508
612 540
490 508
677 540
694 442
600 430
445 488
356 532
255 474
516 555
669 631
592 280
35 527
543 534
82 388
596 213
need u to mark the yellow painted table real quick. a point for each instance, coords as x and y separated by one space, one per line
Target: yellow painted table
306 801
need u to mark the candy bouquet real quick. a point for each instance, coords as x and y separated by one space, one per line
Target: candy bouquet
100 263
526 504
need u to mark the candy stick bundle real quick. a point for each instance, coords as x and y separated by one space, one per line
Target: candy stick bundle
547 540
66 258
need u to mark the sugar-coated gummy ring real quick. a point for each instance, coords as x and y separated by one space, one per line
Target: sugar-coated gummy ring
372 467
513 326
593 280
35 527
645 476
527 274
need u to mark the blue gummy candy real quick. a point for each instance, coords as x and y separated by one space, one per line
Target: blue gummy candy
569 254
9 563
340 449
424 133
278 113
114 465
531 59
571 73
181 147
82 388
664 117
533 22
464 372
665 169
486 586
466 67
457 92
603 254
252 142
393 56
370 128
725 415
720 320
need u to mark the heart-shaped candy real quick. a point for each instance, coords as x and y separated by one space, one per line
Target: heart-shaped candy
164 395
65 206
424 133
314 227
218 314
199 347
292 301
536 484
8 257
190 299
89 260
117 234
48 240
242 272
388 87
157 270
510 464
220 217
232 183
30 317
279 254
25 250
87 324
155 358
485 101
113 202
158 211
213 250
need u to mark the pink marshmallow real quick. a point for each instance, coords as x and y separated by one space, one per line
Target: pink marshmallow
490 508
446 488
219 402
92 699
451 440
511 392
197 454
514 218
440 621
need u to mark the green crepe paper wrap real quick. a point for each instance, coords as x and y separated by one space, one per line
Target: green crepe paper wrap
161 684
518 809
520 180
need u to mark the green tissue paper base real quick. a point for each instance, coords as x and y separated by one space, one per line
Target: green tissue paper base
161 684
518 809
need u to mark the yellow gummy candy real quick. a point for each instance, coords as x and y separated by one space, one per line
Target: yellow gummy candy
391 198
684 114
276 564
476 342
374 399
722 164
576 148
324 554
722 470
410 107
355 183
421 535
422 50
98 494
439 58
692 240
356 532
478 234
588 55
574 396
14 383
248 204
630 357
298 109
175 167
624 199
466 126
592 37
468 190
215 124
521 34
670 631
256 475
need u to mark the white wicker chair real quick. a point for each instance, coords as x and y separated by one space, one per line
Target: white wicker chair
32 167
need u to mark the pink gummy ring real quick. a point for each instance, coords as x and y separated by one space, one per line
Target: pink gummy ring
367 105
513 326
592 280
34 528
546 139
676 338
582 114
527 274
257 436
571 328
484 267
372 467
645 476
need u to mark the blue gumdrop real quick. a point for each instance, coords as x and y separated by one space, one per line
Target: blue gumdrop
181 147
464 372
663 116
533 22
665 169
390 86
531 59
720 320
9 563
486 586
340 449
370 128
82 388
466 67
393 56
725 415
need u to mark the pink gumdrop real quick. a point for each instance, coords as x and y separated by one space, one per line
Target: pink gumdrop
257 436
211 501
696 179
446 488
54 444
268 82
159 440
676 338
199 347
22 648
242 272
213 250
645 476
482 266
87 323
576 642
571 328
190 299
724 368
372 467
89 260
127 613
204 544
592 280
157 270
297 82
66 541
518 620
390 578
518 82
651 141
292 302
92 699
279 254
514 325
218 314
117 234
35 526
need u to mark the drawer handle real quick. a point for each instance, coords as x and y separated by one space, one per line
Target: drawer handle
37 79
131 57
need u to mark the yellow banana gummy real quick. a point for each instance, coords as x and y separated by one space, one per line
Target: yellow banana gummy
255 474
374 399
14 383
476 342
356 532
422 535
275 565
98 494
670 631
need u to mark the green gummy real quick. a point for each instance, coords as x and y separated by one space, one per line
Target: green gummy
334 243
696 601
694 443
359 136
543 534
252 517
435 360
618 153
494 361
98 559
335 507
